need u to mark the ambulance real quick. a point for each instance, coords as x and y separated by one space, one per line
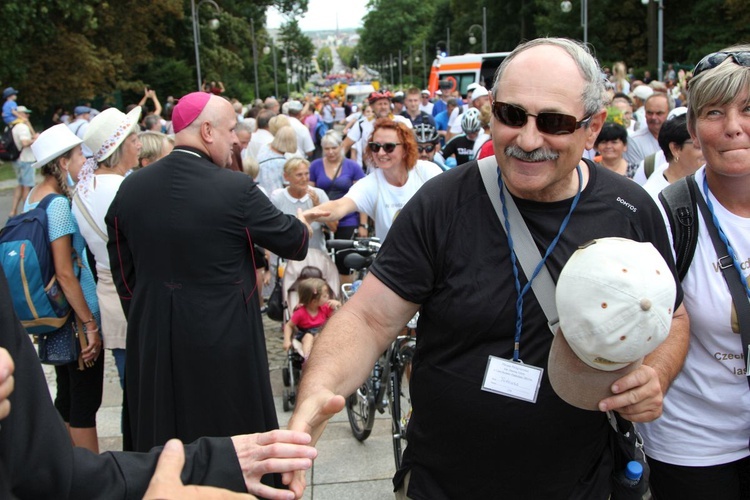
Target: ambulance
456 73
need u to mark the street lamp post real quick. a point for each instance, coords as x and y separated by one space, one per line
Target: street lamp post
391 66
400 68
566 6
483 27
214 23
437 46
266 50
255 58
660 36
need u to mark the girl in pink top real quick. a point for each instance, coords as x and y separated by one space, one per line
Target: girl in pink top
308 318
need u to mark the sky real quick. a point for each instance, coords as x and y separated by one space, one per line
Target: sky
321 15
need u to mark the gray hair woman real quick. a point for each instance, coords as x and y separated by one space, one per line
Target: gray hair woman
335 175
112 136
699 446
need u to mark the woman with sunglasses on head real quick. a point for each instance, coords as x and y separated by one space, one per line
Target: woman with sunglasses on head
398 175
335 175
699 447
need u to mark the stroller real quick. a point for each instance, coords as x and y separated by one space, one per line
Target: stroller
317 264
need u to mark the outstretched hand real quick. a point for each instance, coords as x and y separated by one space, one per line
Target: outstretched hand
311 416
278 451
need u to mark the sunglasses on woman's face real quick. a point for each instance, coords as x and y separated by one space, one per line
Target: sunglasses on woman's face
546 122
428 147
388 147
713 60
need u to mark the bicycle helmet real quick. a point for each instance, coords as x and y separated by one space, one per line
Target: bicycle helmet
470 121
426 133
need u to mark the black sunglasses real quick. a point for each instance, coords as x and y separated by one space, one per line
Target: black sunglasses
429 148
388 147
546 122
713 60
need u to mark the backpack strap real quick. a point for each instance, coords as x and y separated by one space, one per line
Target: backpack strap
679 201
648 164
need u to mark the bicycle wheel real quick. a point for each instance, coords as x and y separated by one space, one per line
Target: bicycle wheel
360 408
400 398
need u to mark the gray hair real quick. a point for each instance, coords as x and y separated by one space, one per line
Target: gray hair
331 139
717 86
243 126
116 157
593 95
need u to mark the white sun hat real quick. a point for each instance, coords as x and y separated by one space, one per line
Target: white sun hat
53 142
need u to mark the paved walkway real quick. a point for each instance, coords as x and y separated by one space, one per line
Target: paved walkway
345 468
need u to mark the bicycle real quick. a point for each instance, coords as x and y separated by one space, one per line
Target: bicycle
388 383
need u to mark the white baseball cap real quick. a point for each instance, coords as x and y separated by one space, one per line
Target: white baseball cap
479 91
615 298
643 92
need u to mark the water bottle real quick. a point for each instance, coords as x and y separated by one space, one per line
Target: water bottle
631 476
628 482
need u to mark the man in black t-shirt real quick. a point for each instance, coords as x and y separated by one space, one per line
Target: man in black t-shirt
448 256
462 146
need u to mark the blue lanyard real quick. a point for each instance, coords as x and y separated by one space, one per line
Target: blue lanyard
513 259
724 238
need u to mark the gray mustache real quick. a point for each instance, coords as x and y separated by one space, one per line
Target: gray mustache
536 155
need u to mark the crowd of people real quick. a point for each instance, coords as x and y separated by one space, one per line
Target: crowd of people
163 221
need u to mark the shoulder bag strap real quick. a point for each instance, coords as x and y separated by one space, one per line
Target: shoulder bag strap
89 219
526 250
736 287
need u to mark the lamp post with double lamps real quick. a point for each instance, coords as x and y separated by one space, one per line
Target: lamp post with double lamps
213 24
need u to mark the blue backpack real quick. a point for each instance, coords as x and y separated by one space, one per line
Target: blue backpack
26 257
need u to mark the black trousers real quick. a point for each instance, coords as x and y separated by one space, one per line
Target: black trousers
729 481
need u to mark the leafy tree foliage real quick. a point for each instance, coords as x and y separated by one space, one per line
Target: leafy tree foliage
68 51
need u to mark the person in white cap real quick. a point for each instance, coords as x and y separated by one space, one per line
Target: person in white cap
24 136
482 332
181 235
425 105
305 144
639 95
79 392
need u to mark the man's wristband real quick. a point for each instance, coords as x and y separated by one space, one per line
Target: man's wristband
366 226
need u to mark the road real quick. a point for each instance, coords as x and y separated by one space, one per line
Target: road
6 199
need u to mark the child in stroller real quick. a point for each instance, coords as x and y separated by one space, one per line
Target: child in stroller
314 309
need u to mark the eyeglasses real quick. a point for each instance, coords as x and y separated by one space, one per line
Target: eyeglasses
428 147
713 60
388 147
546 122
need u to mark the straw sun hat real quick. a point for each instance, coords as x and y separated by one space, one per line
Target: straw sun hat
108 130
